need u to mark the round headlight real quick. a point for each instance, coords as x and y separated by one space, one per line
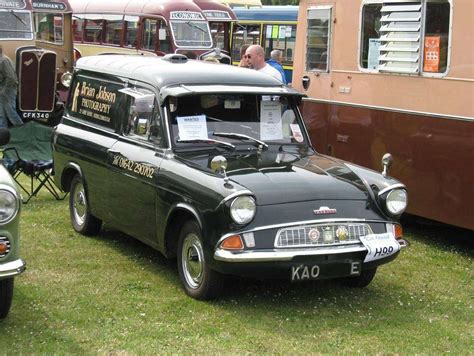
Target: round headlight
66 79
9 206
397 201
243 209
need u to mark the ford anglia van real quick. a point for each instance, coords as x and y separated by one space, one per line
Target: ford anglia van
212 164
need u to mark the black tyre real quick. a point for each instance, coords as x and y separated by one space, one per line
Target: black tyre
199 281
361 281
81 219
6 296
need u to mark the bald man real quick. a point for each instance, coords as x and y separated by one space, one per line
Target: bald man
255 56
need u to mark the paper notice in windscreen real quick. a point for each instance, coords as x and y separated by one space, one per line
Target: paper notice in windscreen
270 121
192 127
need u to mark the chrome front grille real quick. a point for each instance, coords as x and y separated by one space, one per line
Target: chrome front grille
4 240
321 234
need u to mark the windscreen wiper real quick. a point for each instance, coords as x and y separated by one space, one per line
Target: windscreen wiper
18 17
189 23
260 144
210 141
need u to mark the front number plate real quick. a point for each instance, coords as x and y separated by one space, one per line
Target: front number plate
301 273
310 272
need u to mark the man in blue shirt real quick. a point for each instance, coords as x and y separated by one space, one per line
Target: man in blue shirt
275 61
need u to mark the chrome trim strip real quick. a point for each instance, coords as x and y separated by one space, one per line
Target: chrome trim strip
11 269
394 186
344 243
384 108
286 255
188 208
322 221
236 194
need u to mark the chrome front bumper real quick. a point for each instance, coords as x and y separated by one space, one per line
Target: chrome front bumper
288 254
12 269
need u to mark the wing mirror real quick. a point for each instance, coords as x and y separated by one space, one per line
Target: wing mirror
387 160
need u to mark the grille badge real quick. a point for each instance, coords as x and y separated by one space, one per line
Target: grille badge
313 234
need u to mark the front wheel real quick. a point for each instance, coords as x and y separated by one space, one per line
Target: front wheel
6 296
366 276
81 218
199 281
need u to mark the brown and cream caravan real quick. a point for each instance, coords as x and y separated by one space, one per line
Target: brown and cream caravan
395 76
37 36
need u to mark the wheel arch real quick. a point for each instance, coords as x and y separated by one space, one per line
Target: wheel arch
69 171
178 214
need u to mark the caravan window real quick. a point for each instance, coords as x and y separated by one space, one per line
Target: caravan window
318 39
393 39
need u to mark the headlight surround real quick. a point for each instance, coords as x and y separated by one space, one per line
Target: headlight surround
243 209
9 206
396 201
66 79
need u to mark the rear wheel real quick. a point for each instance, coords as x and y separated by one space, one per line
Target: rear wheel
6 296
82 220
199 281
361 281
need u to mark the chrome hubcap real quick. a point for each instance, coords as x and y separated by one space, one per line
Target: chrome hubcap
192 260
79 204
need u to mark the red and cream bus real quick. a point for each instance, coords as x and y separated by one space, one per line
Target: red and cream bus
220 18
395 76
149 27
36 35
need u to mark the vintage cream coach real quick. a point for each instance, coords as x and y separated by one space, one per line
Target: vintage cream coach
212 164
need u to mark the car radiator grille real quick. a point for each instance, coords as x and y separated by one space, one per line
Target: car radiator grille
321 234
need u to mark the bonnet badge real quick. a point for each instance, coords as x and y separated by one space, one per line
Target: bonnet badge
323 210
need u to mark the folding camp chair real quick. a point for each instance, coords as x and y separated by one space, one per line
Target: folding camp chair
29 153
11 164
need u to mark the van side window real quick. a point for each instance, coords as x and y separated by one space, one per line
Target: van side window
144 121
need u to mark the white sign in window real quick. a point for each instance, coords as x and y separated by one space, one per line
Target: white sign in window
192 127
270 121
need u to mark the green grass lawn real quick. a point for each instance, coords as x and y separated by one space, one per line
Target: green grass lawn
112 294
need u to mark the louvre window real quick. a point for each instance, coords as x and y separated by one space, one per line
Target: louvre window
405 36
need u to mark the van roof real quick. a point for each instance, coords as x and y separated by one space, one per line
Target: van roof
164 71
